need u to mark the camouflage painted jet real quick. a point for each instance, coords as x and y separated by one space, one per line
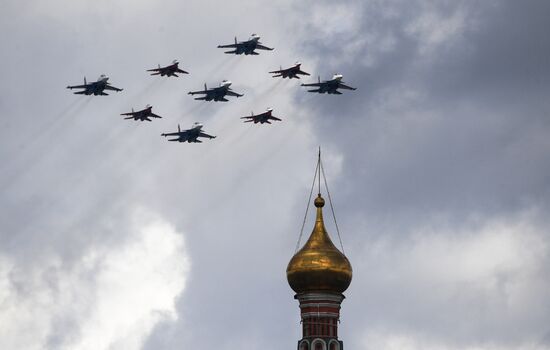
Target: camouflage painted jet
169 71
95 88
247 47
290 73
330 86
142 115
189 135
261 118
217 93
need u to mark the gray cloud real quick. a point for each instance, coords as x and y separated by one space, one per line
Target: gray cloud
437 165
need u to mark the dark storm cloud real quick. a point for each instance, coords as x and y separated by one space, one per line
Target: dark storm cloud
447 132
456 125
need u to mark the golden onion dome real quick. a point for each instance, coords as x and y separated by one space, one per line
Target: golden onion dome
319 265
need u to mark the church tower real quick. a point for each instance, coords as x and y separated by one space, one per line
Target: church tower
319 273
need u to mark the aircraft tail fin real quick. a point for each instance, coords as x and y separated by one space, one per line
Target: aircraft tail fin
205 88
179 129
85 83
235 40
319 79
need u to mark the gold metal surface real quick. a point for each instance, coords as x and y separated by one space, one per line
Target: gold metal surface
319 265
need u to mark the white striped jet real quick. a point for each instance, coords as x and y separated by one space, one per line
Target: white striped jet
247 47
261 118
95 88
217 93
169 71
189 135
142 115
330 86
290 73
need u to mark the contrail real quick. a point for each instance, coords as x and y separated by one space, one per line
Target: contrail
153 85
53 124
220 66
235 62
260 97
198 106
22 160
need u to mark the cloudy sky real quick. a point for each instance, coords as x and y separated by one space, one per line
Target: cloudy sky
439 167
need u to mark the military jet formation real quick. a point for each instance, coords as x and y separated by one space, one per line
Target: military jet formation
247 47
169 71
95 88
216 94
142 115
189 135
261 118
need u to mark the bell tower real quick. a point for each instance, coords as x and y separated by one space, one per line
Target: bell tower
319 273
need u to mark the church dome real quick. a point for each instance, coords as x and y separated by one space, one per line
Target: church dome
319 265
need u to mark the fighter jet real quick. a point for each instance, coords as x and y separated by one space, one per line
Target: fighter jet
290 73
95 88
169 71
142 115
261 118
189 135
330 86
217 93
246 47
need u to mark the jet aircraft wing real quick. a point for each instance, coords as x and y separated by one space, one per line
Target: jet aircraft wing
198 92
262 47
314 84
174 133
78 86
232 93
344 86
202 134
228 46
109 87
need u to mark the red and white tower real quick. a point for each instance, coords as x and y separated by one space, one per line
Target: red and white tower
319 273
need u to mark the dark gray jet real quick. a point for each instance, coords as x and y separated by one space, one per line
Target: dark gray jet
246 47
142 115
261 118
330 86
290 73
169 71
189 135
217 93
95 88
